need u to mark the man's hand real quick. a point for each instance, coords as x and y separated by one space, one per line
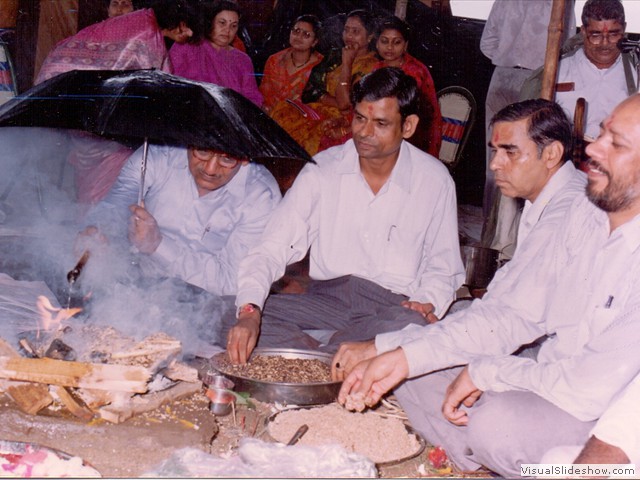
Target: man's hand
144 233
243 337
461 391
375 377
349 355
424 309
89 239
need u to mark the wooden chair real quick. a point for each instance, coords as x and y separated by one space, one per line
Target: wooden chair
8 84
458 109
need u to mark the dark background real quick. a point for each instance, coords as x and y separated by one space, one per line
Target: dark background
449 46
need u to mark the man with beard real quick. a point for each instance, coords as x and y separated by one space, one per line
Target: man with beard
502 410
380 219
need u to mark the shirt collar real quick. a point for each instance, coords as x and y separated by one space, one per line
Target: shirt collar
400 175
533 210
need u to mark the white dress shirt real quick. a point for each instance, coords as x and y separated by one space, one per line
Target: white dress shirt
603 89
580 291
404 238
541 221
620 424
203 237
515 33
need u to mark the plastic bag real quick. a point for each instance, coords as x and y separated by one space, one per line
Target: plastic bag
259 459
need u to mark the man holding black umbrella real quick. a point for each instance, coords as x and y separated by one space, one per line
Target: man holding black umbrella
201 212
380 219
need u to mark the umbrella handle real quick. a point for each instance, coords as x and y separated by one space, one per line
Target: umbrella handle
143 171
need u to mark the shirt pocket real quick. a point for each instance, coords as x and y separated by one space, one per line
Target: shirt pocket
404 250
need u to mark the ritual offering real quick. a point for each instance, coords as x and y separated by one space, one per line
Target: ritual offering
385 440
287 376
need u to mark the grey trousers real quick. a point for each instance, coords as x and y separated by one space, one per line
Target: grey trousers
504 431
355 308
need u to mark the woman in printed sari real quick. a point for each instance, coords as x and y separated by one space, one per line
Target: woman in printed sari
213 59
122 42
323 120
286 73
392 43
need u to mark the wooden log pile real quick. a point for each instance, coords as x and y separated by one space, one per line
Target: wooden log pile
122 384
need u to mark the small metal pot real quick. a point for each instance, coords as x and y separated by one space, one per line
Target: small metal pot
481 264
222 401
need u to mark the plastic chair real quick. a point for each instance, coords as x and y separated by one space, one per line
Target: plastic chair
8 84
458 109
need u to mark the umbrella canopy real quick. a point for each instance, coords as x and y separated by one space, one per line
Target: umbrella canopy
153 105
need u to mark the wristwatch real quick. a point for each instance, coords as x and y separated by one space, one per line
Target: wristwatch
247 308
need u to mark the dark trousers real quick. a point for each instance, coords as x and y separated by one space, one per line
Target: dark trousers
355 308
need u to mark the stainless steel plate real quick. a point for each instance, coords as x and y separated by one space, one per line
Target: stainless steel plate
288 393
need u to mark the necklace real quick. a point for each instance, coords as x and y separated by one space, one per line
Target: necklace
303 63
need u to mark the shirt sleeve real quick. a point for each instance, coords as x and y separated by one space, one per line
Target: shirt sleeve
582 385
620 424
217 273
286 239
491 34
441 272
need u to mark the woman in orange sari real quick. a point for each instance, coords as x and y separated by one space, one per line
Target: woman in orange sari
392 43
286 73
323 119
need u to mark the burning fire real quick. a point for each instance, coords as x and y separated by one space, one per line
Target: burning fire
52 317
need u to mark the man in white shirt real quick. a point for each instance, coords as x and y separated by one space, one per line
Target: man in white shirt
380 219
502 410
597 71
203 210
514 39
531 143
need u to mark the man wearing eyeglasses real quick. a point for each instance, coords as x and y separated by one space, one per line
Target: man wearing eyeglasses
202 210
595 69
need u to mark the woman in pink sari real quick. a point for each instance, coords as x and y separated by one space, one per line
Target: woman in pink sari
211 57
124 42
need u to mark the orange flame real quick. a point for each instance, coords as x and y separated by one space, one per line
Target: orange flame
51 316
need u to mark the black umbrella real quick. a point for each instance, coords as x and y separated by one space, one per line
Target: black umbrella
156 107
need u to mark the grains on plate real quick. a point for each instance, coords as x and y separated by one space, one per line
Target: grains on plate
278 369
378 438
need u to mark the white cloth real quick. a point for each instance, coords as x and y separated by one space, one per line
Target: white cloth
544 217
203 238
620 424
603 89
579 290
404 239
552 203
515 33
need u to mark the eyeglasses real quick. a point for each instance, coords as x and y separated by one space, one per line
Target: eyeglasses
597 38
299 31
223 159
